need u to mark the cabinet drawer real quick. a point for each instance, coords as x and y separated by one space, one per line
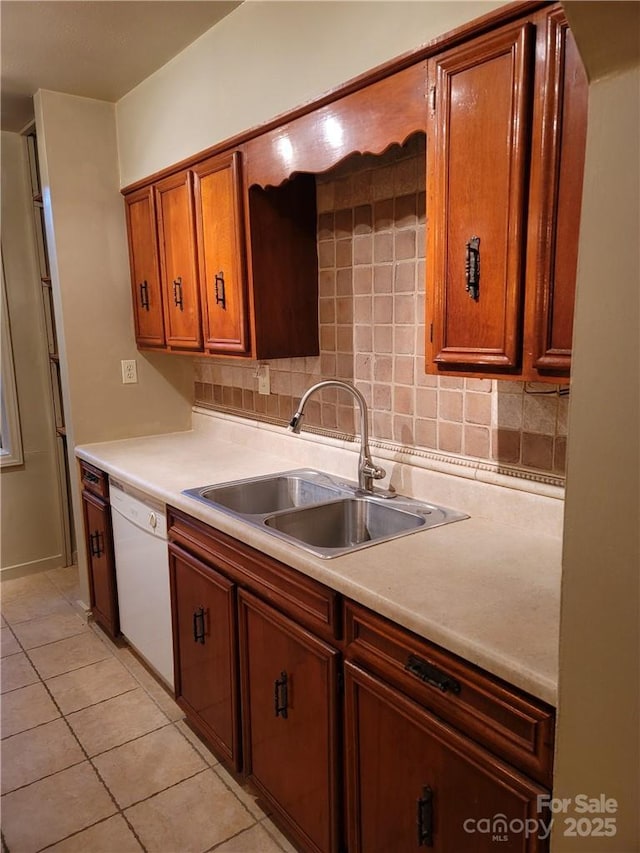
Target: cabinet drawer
513 725
94 480
310 603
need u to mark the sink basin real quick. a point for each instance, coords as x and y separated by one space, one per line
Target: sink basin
344 523
321 513
263 495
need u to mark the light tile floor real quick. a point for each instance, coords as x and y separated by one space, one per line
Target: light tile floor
96 756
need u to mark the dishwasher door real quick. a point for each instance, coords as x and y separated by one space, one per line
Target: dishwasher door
142 572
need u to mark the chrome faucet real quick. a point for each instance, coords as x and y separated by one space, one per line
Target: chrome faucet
367 471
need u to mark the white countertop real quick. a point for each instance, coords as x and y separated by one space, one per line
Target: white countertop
483 588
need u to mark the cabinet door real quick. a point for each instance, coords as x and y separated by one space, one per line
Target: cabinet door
557 166
145 277
413 782
221 253
289 696
478 146
203 608
102 574
176 232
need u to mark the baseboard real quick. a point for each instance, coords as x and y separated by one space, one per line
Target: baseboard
32 568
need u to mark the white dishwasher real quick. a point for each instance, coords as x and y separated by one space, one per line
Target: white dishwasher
142 573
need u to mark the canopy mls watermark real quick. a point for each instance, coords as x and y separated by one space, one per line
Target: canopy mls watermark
582 816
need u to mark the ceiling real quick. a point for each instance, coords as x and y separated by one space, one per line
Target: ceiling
93 48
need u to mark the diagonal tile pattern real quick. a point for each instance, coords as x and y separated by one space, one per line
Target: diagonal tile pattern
96 755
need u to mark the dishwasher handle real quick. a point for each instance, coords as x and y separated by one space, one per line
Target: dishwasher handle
147 516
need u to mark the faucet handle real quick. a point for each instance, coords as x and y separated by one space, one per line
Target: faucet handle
373 471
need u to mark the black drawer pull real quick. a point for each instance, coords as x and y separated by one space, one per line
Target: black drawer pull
91 478
198 626
281 695
425 818
431 674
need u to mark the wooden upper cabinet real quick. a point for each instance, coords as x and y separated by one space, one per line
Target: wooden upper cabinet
221 253
178 261
238 266
477 160
506 146
145 276
557 166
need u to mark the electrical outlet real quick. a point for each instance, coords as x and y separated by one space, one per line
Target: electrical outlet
129 371
264 382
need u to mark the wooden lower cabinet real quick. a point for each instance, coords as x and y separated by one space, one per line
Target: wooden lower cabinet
102 570
203 607
290 722
357 734
414 782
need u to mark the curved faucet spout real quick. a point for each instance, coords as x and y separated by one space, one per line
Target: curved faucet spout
367 470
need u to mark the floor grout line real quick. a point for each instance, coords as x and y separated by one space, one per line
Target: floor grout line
100 701
47 775
112 654
59 640
127 742
95 770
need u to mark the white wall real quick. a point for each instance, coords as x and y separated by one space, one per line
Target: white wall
262 60
599 708
32 532
85 222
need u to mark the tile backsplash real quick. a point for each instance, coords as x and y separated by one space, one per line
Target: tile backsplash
371 241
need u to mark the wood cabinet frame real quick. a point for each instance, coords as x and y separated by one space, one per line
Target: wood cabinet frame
103 589
181 295
311 651
557 167
223 332
367 114
499 296
145 269
487 722
495 779
222 687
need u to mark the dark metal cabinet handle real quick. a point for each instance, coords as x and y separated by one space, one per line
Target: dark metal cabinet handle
221 298
91 478
472 267
144 295
96 543
177 293
431 674
425 818
281 695
198 626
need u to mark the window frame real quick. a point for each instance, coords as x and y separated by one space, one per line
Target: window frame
11 451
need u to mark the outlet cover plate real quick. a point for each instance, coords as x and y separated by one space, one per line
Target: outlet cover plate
129 371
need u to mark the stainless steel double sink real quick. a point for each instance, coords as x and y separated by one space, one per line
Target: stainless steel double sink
321 513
